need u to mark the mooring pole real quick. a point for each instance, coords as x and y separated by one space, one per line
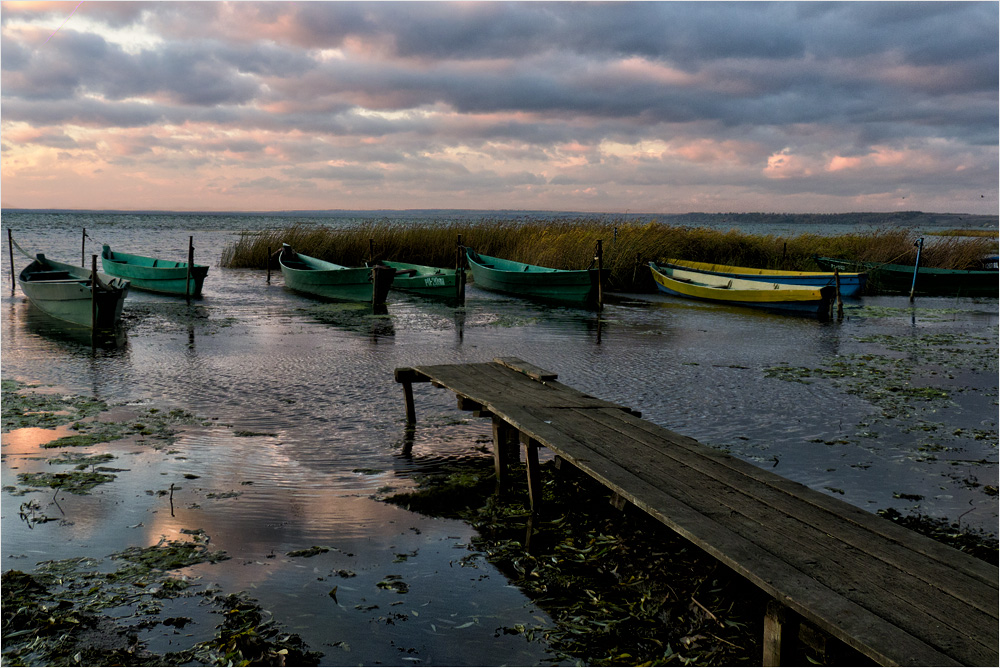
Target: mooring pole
268 263
83 248
460 269
840 302
920 246
10 246
600 274
187 280
93 294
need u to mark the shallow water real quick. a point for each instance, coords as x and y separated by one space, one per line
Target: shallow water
303 424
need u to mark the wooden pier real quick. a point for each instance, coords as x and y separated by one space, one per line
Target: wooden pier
897 597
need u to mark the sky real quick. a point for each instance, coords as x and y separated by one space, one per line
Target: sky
645 107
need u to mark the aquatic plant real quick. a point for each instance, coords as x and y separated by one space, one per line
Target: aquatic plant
571 244
24 408
620 588
59 615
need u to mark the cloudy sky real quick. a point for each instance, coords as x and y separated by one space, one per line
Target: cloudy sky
658 107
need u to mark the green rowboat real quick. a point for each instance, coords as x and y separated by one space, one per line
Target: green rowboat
154 274
66 292
893 279
432 281
528 280
319 278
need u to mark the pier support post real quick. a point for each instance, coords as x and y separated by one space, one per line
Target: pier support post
781 632
534 472
505 450
406 378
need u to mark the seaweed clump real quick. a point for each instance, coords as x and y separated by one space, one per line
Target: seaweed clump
620 588
62 614
977 543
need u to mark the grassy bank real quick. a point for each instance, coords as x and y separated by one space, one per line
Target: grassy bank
571 244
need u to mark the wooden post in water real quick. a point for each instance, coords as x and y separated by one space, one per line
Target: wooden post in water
268 263
600 272
781 630
920 246
405 377
381 282
93 294
187 280
460 269
505 451
534 472
840 301
83 248
10 246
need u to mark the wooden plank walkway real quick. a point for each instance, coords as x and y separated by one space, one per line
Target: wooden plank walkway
893 595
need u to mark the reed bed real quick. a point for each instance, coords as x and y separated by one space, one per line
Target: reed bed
992 234
571 244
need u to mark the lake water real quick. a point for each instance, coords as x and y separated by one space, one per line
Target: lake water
304 424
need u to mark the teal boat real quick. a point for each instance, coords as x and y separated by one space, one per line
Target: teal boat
67 292
319 278
892 279
154 274
433 281
528 280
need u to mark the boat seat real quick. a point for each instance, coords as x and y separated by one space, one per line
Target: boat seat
154 262
55 275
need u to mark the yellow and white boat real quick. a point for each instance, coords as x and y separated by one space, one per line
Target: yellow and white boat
851 283
712 287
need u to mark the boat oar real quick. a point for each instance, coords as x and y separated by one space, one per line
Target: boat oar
920 246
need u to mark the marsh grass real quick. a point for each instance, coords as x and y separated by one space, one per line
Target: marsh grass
991 234
627 245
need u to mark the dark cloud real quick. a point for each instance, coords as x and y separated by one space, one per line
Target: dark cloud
423 87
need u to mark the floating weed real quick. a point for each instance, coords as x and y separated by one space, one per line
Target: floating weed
56 617
170 555
620 588
41 410
31 513
394 583
232 494
248 636
309 552
976 542
81 461
74 482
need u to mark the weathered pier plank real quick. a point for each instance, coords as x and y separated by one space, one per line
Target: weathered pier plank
896 596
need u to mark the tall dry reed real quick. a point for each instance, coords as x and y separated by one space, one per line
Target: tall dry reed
571 244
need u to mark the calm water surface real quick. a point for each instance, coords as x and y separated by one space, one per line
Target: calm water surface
314 383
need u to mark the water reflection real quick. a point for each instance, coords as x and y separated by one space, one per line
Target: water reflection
373 322
301 423
68 335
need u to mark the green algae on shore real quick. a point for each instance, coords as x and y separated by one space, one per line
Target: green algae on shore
60 615
23 408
